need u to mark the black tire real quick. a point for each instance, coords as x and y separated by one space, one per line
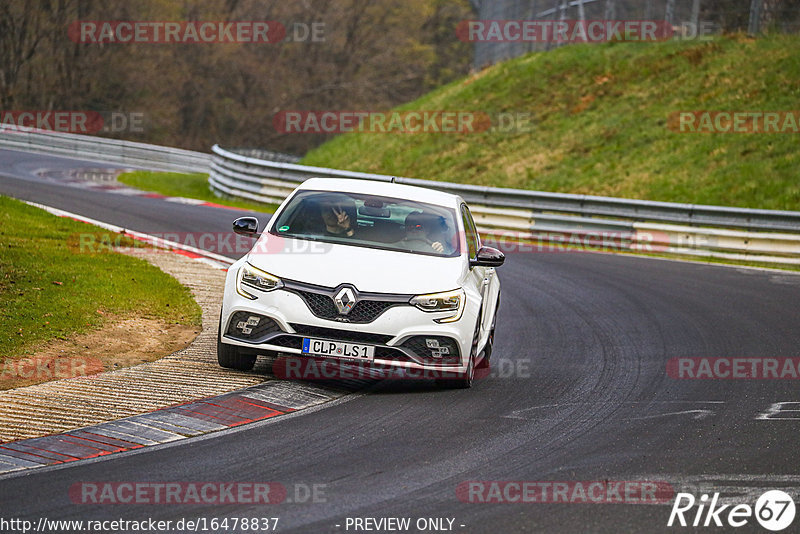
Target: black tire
230 357
462 382
487 350
465 380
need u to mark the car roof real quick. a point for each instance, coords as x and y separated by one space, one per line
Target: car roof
385 189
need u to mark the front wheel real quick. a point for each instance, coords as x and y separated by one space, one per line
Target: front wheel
487 350
465 380
462 382
231 357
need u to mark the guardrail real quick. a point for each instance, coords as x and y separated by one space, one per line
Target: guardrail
555 221
549 221
114 151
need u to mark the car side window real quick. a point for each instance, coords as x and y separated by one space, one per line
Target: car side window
471 233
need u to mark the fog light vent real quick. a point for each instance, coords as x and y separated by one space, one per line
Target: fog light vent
436 350
249 326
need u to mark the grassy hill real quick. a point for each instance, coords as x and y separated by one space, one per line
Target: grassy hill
599 125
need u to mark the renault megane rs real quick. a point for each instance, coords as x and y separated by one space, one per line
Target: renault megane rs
376 273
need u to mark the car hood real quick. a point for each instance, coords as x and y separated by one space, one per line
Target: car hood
368 269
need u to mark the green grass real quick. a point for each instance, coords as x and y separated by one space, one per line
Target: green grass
195 185
51 289
599 125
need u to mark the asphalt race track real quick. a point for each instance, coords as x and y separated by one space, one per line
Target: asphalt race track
579 392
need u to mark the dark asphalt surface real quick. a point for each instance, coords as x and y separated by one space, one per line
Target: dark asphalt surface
579 392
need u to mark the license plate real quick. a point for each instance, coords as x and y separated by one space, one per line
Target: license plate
337 349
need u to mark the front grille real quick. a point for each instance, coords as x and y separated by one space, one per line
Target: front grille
320 305
251 327
368 308
287 341
417 345
390 353
366 311
341 335
291 341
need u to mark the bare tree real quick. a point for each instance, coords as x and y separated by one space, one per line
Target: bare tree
22 29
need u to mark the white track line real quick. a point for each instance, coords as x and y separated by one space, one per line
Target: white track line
215 260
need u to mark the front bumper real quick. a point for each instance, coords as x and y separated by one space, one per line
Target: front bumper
402 335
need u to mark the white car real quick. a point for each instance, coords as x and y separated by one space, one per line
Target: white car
376 273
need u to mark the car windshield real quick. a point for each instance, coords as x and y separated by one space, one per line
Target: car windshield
370 221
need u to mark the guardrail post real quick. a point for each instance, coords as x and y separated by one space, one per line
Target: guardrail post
611 10
755 17
696 14
669 15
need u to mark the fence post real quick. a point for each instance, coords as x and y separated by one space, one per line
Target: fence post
696 14
755 17
611 10
533 13
556 7
669 16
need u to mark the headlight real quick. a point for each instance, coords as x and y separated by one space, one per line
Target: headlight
452 301
252 277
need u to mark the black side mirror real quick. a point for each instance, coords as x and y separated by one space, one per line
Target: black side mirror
246 226
488 257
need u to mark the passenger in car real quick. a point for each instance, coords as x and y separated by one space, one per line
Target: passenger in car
338 217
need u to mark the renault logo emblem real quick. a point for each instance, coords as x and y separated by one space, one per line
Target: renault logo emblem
345 300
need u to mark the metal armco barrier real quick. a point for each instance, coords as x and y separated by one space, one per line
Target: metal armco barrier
557 221
115 151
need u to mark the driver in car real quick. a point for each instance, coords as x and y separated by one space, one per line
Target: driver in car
418 226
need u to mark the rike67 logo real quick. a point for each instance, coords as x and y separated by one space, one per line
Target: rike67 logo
774 510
